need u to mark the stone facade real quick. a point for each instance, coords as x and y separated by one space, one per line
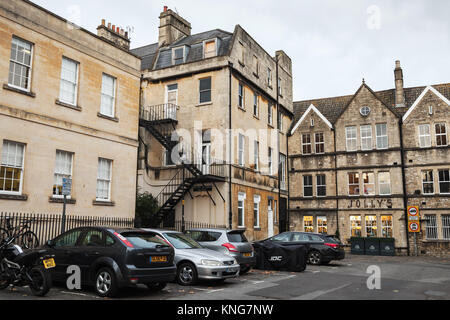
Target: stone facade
231 70
370 175
49 137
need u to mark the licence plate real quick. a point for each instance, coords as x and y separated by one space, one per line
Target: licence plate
49 263
247 255
158 259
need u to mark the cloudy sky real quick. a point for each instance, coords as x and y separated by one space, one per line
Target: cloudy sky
333 43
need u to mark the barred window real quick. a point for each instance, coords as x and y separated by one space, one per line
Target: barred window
431 227
63 169
108 95
428 182
441 135
20 64
11 169
69 81
446 227
104 180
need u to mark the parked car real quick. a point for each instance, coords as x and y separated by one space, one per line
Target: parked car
321 248
110 259
194 262
231 242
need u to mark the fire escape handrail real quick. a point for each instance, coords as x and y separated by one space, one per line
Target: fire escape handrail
160 112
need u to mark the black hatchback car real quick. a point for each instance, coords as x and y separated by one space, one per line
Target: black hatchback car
110 259
321 248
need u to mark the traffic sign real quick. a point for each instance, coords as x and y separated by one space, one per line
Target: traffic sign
414 227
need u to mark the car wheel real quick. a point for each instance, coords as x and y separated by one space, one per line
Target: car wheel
187 274
315 258
41 281
155 287
106 283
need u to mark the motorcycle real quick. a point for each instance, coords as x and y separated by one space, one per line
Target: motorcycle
22 269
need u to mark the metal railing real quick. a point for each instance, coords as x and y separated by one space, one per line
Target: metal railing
178 226
166 111
48 226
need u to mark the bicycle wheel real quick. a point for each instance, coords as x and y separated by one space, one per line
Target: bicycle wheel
29 240
4 234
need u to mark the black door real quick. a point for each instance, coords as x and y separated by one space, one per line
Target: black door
284 219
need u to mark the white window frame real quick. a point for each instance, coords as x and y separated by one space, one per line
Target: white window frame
427 182
351 135
380 184
241 198
77 64
257 211
280 122
270 113
441 134
59 196
283 167
367 219
445 220
308 228
256 154
309 186
241 150
28 88
241 96
215 47
255 105
319 143
108 180
173 55
369 174
269 77
200 90
306 144
3 163
113 111
270 160
321 185
444 181
384 226
381 136
425 135
366 139
356 224
280 88
322 225
358 176
431 229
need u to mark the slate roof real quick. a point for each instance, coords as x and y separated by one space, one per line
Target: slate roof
194 44
331 108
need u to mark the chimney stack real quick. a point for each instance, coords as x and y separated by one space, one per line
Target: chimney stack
114 34
399 89
172 27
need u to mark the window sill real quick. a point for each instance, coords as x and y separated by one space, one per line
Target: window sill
107 117
242 64
257 228
242 109
270 87
204 104
256 75
66 105
103 203
21 91
61 200
13 197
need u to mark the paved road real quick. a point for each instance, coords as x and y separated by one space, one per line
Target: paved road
401 278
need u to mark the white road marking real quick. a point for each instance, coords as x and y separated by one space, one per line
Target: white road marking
218 290
80 294
315 294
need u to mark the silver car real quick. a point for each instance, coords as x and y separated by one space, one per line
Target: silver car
195 262
231 242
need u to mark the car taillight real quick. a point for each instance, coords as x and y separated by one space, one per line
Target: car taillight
332 245
165 241
124 240
230 247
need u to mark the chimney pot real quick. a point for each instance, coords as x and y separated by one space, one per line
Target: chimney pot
109 25
165 8
103 22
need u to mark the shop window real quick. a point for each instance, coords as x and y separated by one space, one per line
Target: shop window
386 225
371 226
355 225
308 223
322 225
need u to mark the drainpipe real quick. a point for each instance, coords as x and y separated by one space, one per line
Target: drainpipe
336 182
405 196
230 152
278 145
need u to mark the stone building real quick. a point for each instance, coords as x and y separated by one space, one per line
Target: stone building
69 108
215 110
358 161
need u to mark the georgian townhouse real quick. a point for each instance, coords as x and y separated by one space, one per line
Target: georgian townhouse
358 161
69 108
222 105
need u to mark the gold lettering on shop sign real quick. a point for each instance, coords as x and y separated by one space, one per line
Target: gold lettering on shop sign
370 204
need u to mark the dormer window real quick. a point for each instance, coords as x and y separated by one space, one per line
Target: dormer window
210 48
178 55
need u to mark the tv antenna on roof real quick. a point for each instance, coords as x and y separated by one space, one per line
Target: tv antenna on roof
176 11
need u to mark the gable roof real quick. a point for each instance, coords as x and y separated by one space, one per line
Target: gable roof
331 108
155 58
314 109
422 95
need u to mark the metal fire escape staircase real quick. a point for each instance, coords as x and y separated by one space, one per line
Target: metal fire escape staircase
161 121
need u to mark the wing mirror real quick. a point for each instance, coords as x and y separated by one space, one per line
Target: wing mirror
50 243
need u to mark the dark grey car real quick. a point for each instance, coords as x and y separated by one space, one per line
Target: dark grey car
230 242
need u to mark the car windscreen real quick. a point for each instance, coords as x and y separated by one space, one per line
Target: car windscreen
181 241
237 237
204 236
144 240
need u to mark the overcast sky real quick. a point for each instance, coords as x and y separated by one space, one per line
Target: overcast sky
333 43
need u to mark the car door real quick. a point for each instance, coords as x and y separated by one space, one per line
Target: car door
63 247
316 242
91 247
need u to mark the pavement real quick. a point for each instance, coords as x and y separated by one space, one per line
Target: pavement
401 278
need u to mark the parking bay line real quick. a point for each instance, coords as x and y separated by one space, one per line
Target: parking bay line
316 294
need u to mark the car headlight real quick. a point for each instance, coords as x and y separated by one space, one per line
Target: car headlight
212 263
